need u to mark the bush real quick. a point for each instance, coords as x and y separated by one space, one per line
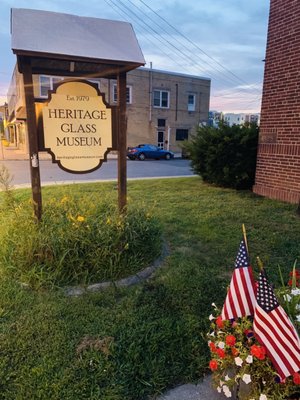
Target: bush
225 156
78 241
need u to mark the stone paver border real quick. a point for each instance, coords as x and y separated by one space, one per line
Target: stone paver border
131 280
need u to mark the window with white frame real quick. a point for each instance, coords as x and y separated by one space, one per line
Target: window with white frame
96 82
191 102
161 98
47 83
128 94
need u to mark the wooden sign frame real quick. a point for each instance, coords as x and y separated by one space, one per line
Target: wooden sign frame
119 135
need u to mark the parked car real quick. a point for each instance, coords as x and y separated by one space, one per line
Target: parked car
143 151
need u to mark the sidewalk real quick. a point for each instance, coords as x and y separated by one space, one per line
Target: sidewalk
12 153
202 391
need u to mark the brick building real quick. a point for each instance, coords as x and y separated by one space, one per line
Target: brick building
278 161
163 108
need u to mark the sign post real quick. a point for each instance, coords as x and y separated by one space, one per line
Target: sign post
122 142
32 139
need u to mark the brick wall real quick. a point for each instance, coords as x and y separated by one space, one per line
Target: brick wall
278 161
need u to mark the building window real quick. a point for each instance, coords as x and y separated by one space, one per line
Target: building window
161 98
182 134
161 123
128 94
191 102
96 82
47 83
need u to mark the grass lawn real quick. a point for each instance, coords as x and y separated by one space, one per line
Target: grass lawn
133 343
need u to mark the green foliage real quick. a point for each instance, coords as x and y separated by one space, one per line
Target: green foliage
225 156
6 186
159 327
79 240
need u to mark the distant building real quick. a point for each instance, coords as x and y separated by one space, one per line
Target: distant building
3 121
240 119
214 118
163 108
278 159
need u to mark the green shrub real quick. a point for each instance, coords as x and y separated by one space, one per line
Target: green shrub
225 156
78 241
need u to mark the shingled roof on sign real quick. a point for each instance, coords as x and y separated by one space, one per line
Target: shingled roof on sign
48 33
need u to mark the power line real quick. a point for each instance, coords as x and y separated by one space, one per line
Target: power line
190 42
134 17
194 44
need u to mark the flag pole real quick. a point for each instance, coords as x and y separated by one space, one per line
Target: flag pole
245 237
260 263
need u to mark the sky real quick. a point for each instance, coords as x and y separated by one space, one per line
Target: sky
224 40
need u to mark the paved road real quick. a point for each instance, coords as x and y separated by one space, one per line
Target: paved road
51 173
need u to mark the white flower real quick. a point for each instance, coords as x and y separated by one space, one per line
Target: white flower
212 334
263 397
219 390
211 317
298 307
238 361
226 391
249 359
221 345
298 318
246 378
227 378
213 305
295 292
287 297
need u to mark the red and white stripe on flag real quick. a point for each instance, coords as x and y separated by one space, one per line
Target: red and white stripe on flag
240 300
274 330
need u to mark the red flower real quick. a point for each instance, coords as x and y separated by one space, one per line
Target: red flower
213 365
258 351
290 282
212 347
221 353
230 340
296 378
234 351
297 273
219 322
295 277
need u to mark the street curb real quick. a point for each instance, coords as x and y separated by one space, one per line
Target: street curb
59 183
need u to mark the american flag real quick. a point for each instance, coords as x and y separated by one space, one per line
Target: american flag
274 330
240 300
